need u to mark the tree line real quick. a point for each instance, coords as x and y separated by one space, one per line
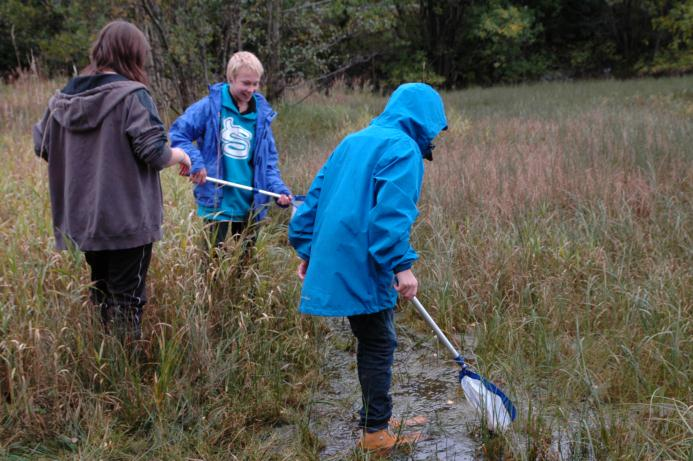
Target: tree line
448 43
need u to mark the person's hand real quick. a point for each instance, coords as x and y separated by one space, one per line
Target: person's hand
178 157
302 269
284 200
200 177
406 284
183 160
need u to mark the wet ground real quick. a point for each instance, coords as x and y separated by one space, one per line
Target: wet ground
423 384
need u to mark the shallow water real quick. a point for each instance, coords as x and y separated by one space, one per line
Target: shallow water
423 384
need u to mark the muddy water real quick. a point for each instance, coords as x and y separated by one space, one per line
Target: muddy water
423 384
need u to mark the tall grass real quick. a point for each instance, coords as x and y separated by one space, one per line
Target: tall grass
227 359
555 228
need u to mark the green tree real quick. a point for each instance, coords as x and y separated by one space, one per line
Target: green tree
67 50
24 24
677 56
190 40
451 43
504 35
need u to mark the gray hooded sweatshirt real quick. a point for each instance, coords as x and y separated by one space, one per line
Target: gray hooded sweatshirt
105 145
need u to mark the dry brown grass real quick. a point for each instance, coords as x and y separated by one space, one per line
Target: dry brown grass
555 229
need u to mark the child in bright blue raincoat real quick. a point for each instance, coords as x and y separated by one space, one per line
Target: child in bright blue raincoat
352 235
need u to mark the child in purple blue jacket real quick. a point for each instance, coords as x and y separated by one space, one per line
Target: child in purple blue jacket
228 135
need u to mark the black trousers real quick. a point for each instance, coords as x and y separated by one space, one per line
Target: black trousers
119 288
217 231
118 276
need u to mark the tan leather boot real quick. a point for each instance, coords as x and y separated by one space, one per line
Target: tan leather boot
382 442
418 420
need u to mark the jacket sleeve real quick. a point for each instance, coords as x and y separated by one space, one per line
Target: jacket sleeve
187 129
302 224
146 130
398 176
40 134
274 178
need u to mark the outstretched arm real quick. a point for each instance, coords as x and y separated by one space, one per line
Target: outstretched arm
187 129
274 178
147 134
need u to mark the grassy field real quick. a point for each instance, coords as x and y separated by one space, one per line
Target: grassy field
556 229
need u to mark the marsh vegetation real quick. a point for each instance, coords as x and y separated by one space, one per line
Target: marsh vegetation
555 229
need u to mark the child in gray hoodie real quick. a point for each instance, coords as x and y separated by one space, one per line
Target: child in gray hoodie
105 145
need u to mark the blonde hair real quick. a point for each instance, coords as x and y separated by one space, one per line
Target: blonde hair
243 59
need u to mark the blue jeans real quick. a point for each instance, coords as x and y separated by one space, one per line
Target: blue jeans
377 341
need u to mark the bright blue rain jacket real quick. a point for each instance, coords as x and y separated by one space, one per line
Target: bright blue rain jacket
354 225
197 133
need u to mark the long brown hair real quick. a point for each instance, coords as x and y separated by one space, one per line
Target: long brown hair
120 47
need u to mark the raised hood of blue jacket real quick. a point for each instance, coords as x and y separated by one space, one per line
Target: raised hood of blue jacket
416 109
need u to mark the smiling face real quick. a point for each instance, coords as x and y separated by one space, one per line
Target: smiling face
243 85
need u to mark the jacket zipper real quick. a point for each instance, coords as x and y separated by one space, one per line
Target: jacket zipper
216 186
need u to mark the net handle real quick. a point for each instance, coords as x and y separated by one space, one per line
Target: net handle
242 186
431 323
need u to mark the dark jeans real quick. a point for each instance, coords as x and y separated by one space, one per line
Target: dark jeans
119 285
377 341
218 230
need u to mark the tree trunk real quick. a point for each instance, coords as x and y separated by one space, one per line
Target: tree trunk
275 86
